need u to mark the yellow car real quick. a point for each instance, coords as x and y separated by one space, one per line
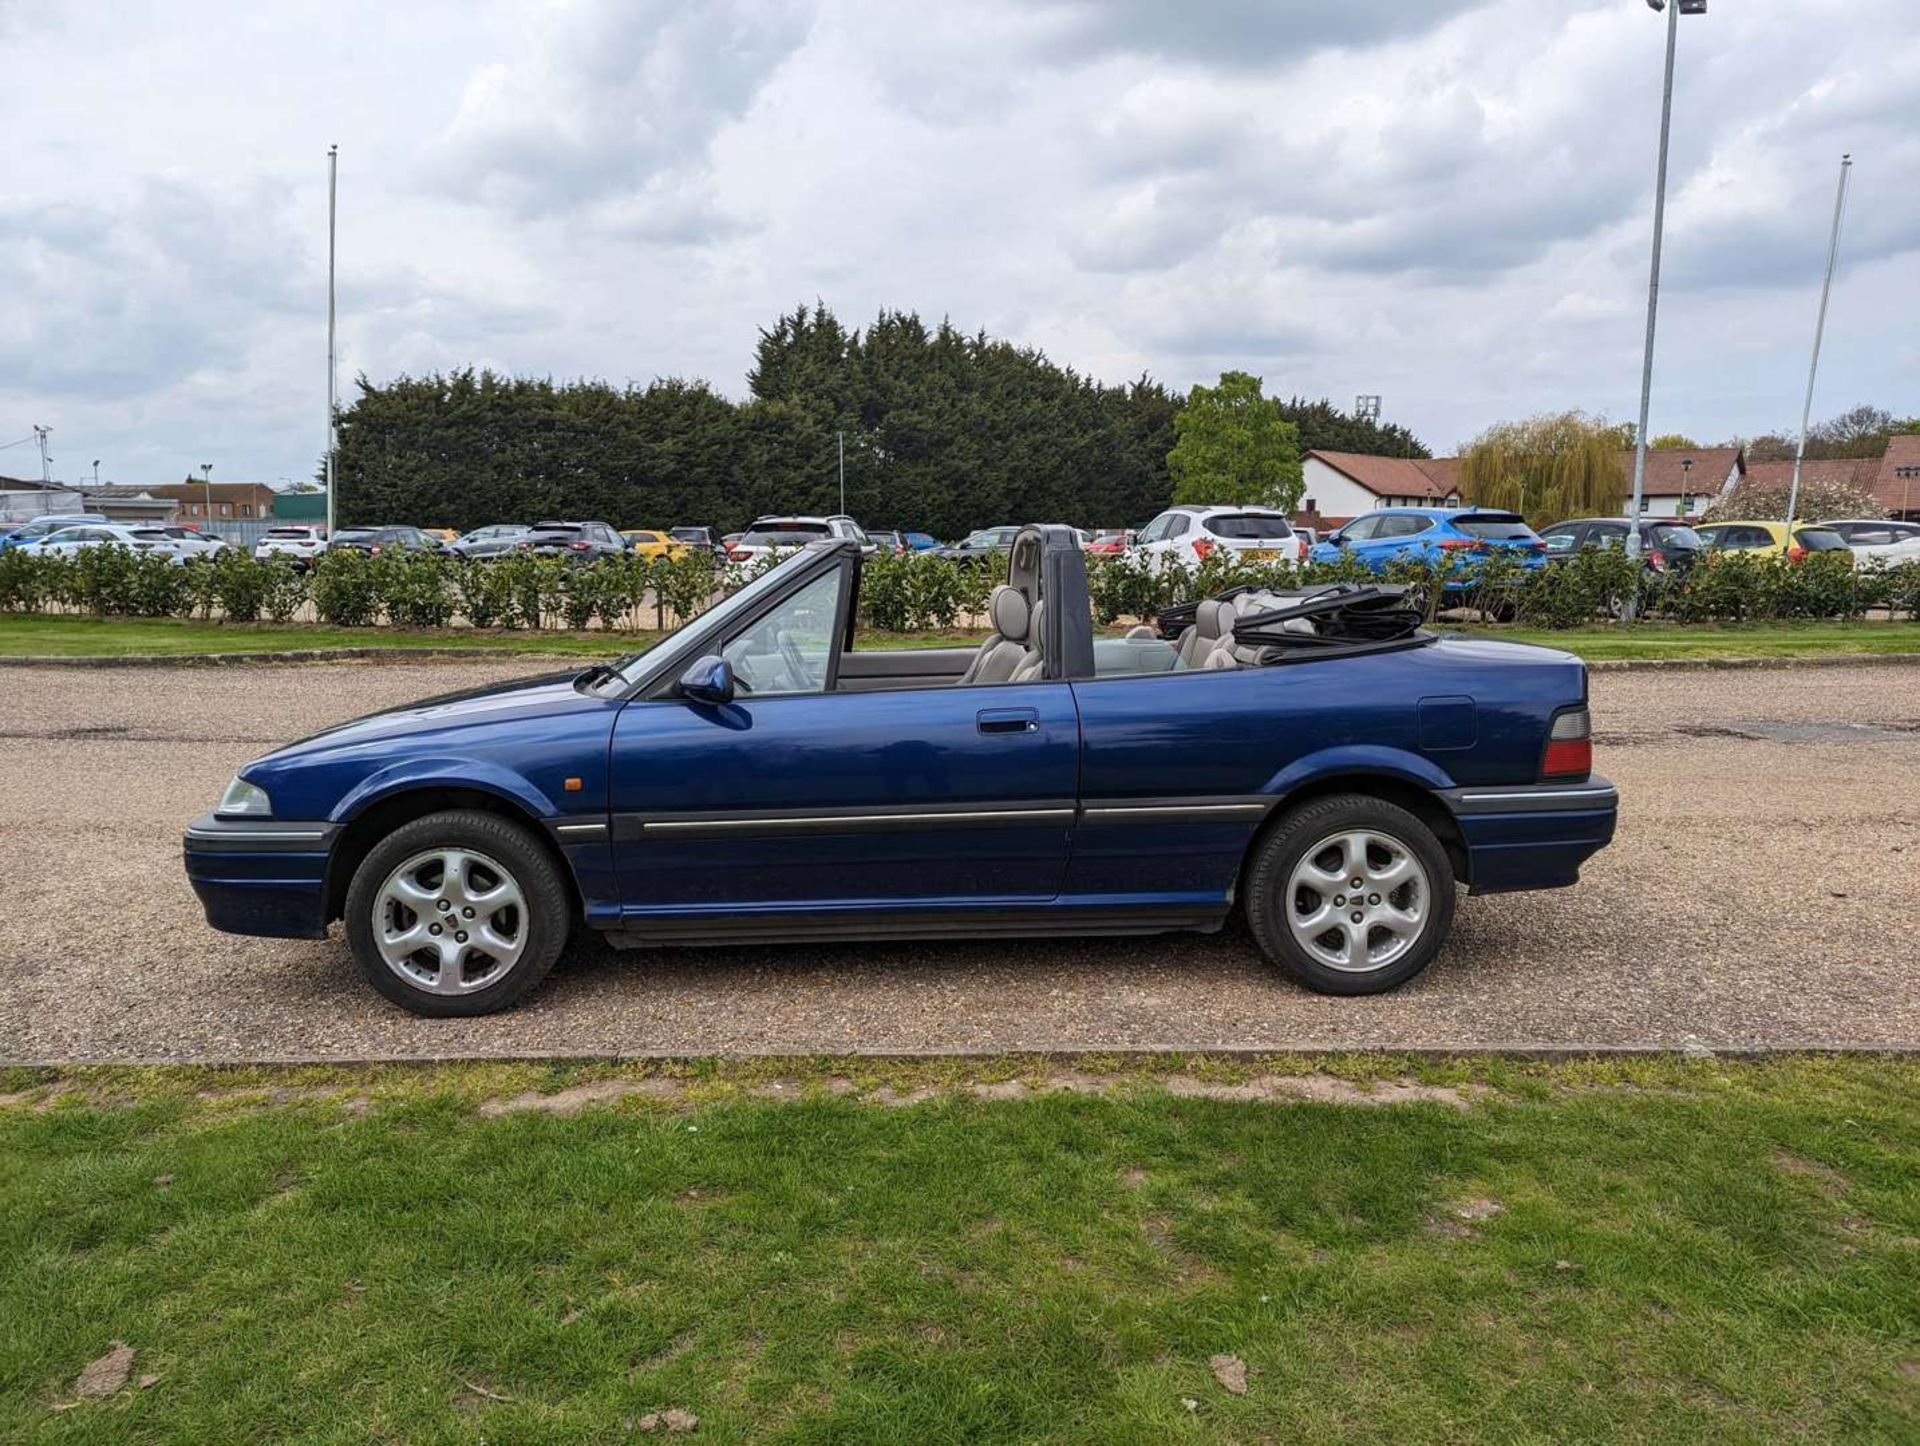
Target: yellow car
445 534
655 544
1772 537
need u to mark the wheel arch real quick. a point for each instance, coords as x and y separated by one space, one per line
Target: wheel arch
1416 798
395 809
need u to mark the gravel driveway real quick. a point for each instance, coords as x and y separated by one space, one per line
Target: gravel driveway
1764 890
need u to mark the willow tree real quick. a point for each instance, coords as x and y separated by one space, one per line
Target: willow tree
1546 468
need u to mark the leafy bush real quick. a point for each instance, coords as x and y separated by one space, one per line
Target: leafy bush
345 589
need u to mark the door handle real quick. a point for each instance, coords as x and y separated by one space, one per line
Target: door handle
1008 720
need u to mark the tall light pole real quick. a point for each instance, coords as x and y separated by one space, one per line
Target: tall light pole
1819 329
96 471
1680 7
206 478
1906 476
333 408
46 462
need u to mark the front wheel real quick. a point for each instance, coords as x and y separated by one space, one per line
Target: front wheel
458 913
1350 894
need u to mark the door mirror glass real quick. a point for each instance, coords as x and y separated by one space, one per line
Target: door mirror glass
708 680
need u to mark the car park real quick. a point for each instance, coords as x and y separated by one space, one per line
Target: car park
889 544
1879 540
493 541
23 533
193 543
1430 534
1311 760
1190 535
1742 536
1667 546
920 541
699 538
372 541
71 541
298 545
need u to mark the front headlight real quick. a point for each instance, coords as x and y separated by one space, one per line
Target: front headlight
245 800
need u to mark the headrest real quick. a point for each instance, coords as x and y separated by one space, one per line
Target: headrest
1008 608
1206 617
1037 625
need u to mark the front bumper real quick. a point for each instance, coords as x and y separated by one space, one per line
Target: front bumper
1532 836
261 876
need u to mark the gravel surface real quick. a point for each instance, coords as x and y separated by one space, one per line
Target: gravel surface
1761 893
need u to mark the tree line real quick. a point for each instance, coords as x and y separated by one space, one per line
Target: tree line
943 431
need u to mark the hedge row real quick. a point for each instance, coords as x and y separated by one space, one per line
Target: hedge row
897 593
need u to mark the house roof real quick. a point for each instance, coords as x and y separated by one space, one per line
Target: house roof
197 491
1667 472
1431 477
1890 489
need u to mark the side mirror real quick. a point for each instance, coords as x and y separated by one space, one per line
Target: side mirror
708 680
1338 539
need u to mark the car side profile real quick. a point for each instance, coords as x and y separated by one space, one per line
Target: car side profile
1311 760
1430 534
19 535
372 541
71 541
1667 547
1734 536
484 544
1880 540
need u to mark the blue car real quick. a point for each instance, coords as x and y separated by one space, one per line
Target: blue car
1432 534
1314 760
919 541
41 527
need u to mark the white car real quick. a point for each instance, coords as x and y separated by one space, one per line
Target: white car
194 544
778 536
1881 539
70 541
300 545
1190 535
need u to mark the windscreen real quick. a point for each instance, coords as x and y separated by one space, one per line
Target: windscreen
1684 538
1249 526
1495 526
356 534
566 528
786 534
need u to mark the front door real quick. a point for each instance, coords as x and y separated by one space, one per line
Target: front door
796 798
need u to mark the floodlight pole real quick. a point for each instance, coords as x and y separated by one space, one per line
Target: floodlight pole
333 172
1819 329
1632 607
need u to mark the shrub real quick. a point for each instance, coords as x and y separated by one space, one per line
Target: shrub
345 590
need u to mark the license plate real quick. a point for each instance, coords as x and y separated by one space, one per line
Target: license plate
1261 554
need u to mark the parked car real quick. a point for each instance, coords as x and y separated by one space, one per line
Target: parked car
22 533
654 543
777 536
69 541
299 545
889 544
1190 535
1666 546
192 543
920 541
1109 544
699 538
1042 783
976 546
1883 540
375 540
441 535
1771 537
575 541
486 543
1430 533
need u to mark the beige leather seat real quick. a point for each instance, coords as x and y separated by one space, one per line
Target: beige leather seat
1033 667
1199 640
1005 649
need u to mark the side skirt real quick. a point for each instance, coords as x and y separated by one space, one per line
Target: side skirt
1041 921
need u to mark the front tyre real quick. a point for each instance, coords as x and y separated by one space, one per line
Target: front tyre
458 913
1350 894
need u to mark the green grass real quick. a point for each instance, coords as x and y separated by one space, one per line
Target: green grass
1683 1252
1721 640
43 636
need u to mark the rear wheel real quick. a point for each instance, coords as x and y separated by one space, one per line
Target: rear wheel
457 913
1350 894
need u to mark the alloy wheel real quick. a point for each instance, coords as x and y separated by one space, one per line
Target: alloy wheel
1357 900
450 921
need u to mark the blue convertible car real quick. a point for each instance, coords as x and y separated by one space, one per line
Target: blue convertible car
1312 758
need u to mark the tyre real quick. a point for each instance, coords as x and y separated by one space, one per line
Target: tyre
457 913
1350 894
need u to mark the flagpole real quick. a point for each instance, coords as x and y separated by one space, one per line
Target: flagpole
1819 329
333 172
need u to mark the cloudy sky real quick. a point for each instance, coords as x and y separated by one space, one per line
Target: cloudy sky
1443 201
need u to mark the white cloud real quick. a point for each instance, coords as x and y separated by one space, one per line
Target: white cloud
1446 201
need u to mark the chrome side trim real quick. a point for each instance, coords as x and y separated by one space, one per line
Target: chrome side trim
255 834
1543 793
1201 812
579 828
827 822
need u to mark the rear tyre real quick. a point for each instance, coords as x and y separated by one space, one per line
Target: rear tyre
457 914
1350 894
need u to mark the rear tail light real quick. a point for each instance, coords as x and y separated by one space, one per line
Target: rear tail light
1657 561
1538 544
735 554
1796 553
1569 745
581 546
1201 547
1456 544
